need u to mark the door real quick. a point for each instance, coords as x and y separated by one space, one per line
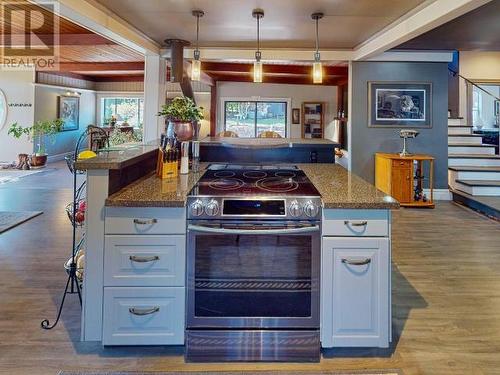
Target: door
253 275
355 292
401 184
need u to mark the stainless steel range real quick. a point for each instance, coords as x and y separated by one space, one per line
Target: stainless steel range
253 265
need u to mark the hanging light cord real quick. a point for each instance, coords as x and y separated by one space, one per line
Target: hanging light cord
316 55
197 29
257 55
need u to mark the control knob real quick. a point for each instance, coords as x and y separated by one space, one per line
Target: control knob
212 208
197 208
310 209
295 209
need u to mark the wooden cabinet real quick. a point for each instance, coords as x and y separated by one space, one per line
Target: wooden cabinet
355 292
405 178
313 119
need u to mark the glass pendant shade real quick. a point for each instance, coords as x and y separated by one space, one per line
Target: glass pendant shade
195 70
317 72
257 71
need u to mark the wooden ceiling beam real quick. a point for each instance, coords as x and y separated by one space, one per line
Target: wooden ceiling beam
293 80
221 67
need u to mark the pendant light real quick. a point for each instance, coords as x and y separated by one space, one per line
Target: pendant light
257 65
317 67
196 63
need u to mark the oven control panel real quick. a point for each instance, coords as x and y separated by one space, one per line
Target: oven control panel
247 208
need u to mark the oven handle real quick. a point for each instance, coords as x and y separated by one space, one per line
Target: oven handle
206 229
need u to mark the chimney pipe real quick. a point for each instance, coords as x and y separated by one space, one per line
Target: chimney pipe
176 58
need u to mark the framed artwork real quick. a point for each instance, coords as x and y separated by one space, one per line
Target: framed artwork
296 116
3 109
68 110
399 104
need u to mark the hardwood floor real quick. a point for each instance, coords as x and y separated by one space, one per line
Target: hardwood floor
446 296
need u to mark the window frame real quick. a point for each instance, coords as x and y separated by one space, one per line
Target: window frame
256 100
116 95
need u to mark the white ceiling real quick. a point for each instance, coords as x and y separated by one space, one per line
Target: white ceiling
287 23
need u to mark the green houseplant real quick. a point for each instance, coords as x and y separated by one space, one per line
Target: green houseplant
39 132
182 115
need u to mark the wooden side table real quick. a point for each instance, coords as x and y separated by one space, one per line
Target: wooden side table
402 177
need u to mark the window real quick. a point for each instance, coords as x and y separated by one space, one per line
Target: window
476 107
250 118
128 110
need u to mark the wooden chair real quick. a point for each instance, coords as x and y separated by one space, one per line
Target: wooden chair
227 134
269 134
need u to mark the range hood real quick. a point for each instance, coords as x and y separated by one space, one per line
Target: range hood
178 72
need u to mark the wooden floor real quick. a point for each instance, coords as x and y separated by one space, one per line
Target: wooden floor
446 296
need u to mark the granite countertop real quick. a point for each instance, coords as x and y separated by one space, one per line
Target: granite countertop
118 157
266 142
338 189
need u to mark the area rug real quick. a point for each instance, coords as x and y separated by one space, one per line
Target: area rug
364 372
13 175
10 219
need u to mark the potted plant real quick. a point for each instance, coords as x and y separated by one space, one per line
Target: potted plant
182 115
38 132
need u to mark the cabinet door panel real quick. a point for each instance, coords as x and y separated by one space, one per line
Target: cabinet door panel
355 292
401 184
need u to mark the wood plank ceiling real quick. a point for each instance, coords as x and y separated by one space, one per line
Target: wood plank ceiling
86 55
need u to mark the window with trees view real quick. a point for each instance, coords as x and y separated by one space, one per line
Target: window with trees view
250 118
125 110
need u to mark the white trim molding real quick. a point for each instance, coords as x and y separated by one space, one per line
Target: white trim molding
439 194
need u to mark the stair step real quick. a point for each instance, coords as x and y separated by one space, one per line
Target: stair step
478 187
456 121
471 168
461 148
473 160
459 126
484 183
468 139
459 130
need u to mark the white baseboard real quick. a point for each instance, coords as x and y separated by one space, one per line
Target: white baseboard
439 194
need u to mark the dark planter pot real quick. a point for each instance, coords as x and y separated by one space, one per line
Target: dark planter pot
38 161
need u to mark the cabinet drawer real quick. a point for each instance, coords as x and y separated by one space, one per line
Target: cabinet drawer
132 220
143 316
406 164
144 260
373 223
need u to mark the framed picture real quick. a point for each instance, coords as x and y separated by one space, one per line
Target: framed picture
296 116
399 104
68 110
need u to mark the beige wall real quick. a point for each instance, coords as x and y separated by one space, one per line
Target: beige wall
18 89
296 93
477 66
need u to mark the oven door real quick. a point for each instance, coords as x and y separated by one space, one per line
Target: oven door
253 274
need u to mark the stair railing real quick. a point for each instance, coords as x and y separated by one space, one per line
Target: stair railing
455 74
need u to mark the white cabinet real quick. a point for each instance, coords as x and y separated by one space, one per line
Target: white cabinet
143 316
355 292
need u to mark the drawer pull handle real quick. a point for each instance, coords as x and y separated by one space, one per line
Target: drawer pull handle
135 258
145 222
356 262
142 312
356 223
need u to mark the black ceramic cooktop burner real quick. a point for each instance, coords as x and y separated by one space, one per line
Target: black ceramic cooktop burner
259 181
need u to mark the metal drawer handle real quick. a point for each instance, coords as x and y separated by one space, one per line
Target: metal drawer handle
354 262
356 223
142 312
145 222
135 258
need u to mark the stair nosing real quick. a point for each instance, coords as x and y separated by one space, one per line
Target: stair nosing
479 183
469 145
472 168
473 156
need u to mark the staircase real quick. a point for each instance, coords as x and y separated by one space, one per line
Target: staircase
473 169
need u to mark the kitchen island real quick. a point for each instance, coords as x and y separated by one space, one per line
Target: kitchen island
136 256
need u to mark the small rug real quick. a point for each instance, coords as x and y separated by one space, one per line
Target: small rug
13 175
10 219
365 372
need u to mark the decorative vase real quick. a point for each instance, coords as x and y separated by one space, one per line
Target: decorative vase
183 130
38 161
